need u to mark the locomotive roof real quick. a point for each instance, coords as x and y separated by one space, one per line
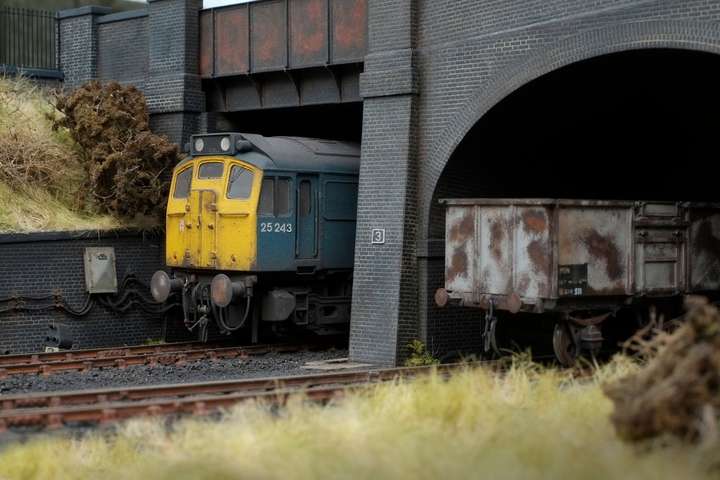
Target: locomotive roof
296 154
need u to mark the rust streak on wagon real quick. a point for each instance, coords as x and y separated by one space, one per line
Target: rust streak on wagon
563 254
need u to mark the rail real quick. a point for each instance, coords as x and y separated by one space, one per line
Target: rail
61 409
170 354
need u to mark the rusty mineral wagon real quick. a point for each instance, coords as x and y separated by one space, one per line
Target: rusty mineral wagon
580 260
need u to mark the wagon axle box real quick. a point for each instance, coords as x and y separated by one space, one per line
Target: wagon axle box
541 255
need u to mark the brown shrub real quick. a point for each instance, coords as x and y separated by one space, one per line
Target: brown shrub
127 165
26 159
678 391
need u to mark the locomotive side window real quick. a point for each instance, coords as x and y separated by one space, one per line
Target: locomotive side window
211 170
305 201
267 193
275 197
240 183
282 196
182 183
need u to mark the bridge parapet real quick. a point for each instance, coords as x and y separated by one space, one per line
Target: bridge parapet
274 53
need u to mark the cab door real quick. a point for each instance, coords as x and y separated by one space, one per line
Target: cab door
202 228
308 218
202 224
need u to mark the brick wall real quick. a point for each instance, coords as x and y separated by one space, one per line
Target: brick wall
384 309
40 263
123 48
174 90
176 126
78 44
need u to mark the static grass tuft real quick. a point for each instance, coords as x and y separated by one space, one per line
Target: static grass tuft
41 177
529 422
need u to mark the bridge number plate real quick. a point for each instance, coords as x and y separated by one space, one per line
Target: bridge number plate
378 236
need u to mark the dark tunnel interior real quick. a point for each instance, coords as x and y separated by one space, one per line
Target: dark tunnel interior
336 121
638 125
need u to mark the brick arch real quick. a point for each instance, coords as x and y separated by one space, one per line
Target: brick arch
583 46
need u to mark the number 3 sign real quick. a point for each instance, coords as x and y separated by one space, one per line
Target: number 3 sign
378 236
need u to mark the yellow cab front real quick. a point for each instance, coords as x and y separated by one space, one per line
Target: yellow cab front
212 214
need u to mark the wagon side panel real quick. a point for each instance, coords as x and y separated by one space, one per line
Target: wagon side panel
533 253
495 249
704 249
595 251
459 248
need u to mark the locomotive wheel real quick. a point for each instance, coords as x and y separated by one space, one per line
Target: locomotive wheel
564 346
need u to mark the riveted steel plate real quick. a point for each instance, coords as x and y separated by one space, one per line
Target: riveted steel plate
268 35
349 38
206 44
308 33
231 40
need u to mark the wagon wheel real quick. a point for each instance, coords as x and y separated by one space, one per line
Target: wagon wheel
564 346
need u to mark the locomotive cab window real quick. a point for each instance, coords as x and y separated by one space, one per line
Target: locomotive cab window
183 181
275 197
211 170
240 183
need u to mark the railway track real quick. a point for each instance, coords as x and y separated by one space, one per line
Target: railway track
92 407
168 354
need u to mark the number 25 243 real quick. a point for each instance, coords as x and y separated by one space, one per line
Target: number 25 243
269 227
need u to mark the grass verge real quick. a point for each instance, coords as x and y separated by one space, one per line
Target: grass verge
40 174
528 423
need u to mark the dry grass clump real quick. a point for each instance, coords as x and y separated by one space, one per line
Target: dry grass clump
529 423
35 209
128 166
41 177
32 153
678 392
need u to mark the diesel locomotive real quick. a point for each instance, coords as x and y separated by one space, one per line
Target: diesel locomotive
260 231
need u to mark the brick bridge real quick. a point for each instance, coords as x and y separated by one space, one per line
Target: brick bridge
579 98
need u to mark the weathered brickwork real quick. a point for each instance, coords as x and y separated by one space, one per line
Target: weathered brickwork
176 126
78 49
384 310
123 48
45 263
174 85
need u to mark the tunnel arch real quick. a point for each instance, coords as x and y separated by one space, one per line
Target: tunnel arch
628 37
505 119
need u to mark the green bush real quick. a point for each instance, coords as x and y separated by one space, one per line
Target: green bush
419 355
